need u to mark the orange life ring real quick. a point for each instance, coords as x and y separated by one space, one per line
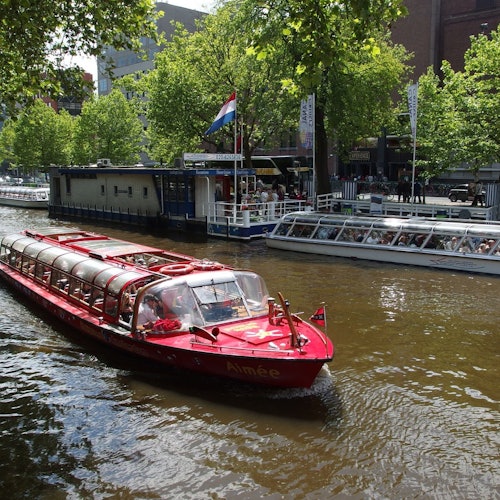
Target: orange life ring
176 269
207 265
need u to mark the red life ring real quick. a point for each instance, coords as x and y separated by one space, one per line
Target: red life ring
207 265
176 269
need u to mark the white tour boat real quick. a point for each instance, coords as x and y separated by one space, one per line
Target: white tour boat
24 196
440 243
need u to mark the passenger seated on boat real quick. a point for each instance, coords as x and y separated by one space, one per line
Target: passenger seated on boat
432 242
127 308
323 233
372 239
482 248
403 240
147 315
386 238
449 243
419 240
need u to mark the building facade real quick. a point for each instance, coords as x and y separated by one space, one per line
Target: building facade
127 62
438 30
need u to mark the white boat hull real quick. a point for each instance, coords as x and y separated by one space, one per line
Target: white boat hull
400 256
459 246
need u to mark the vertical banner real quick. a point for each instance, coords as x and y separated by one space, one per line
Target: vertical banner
307 122
412 107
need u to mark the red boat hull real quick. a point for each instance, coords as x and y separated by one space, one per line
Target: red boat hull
288 371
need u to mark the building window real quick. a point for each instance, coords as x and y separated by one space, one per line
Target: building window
68 184
102 189
485 4
116 190
130 191
103 85
144 192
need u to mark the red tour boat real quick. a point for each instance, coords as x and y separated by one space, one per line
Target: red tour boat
166 307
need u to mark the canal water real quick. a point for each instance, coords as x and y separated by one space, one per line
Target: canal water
407 409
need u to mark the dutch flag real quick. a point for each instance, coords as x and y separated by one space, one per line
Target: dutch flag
226 114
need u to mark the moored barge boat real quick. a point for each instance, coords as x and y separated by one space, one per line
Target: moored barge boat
165 307
434 243
24 196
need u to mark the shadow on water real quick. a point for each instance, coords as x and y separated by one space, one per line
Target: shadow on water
320 402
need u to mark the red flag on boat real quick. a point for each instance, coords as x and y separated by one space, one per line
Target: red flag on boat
319 316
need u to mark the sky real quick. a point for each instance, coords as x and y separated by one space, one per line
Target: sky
90 65
203 5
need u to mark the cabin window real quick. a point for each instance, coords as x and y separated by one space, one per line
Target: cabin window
111 305
102 190
42 272
145 192
302 231
76 288
449 243
59 280
325 233
380 237
115 190
5 255
96 299
282 229
486 246
352 234
28 266
130 191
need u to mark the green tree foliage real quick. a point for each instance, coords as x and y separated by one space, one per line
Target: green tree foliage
358 95
326 40
458 114
39 138
37 36
197 72
108 127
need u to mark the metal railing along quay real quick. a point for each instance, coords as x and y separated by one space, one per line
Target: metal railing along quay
380 205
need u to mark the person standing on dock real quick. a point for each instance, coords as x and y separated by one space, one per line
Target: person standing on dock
478 194
417 192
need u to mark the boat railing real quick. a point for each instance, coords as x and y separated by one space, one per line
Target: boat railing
253 212
334 203
220 348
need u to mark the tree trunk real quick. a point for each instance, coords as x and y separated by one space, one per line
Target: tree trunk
322 175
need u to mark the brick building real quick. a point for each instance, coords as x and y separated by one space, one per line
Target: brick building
437 30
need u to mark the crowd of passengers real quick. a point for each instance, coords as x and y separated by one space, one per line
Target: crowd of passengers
469 244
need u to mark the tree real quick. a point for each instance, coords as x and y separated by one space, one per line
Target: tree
197 72
321 36
36 38
458 113
39 138
108 127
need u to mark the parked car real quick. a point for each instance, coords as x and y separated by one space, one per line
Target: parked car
462 192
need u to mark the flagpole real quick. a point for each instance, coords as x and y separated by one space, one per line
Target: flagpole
324 314
235 189
314 148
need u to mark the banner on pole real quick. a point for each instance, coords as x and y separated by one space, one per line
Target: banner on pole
412 107
307 122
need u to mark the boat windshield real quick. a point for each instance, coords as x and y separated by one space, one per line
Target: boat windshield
210 298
